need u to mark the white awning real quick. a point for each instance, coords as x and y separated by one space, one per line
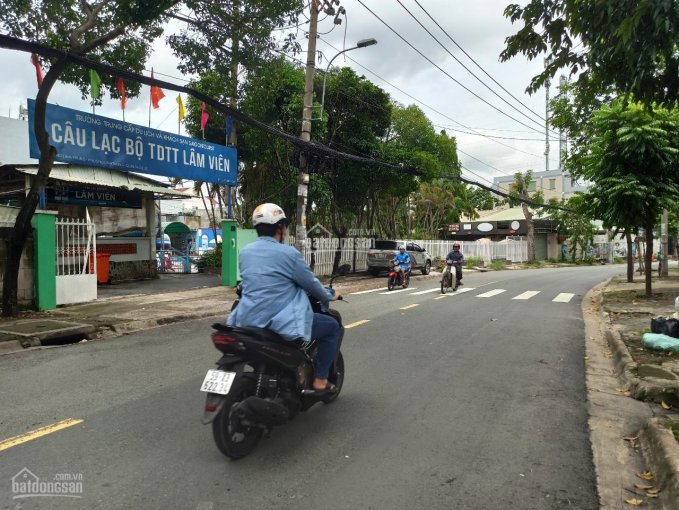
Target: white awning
105 177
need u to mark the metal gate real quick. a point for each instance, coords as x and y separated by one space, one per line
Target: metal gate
76 260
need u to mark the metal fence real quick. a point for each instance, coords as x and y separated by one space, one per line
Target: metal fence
320 252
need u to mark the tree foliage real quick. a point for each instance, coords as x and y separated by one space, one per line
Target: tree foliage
633 162
115 32
519 194
630 45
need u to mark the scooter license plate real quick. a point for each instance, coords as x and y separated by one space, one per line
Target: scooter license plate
218 381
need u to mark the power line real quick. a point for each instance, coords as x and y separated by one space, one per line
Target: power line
477 64
313 148
494 136
431 108
446 73
466 68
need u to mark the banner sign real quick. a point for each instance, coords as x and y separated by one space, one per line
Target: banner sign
84 194
87 139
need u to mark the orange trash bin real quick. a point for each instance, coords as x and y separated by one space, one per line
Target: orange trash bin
103 263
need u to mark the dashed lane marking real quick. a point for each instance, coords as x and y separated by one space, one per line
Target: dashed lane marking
357 323
35 434
564 297
492 293
399 290
410 306
527 295
444 296
365 291
425 291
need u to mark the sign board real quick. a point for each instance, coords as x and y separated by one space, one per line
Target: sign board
86 139
84 194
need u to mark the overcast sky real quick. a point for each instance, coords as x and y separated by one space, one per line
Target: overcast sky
479 27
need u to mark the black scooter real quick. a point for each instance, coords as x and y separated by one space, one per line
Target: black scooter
262 381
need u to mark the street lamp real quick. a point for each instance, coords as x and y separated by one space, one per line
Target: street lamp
360 44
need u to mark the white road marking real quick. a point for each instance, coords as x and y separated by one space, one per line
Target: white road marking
491 293
527 295
464 289
564 297
400 290
365 291
425 291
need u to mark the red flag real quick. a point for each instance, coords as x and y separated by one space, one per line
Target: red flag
156 93
203 118
120 85
38 69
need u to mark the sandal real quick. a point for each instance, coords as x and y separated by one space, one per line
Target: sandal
329 388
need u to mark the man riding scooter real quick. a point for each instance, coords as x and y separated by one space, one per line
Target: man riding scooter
458 259
403 260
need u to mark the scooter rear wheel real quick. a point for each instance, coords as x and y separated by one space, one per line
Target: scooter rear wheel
336 377
234 439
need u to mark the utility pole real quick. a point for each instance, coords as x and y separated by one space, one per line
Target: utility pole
563 144
303 185
664 262
547 84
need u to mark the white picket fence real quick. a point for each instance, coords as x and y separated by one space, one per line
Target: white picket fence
355 251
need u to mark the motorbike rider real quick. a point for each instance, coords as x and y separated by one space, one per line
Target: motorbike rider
458 258
275 282
403 260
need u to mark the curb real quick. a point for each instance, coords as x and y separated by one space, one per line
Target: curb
661 450
659 446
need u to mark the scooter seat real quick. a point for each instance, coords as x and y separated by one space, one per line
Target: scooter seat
261 333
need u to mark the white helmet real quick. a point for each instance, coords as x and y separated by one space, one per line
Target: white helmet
267 214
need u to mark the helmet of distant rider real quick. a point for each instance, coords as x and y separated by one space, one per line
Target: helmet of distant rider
456 245
268 214
401 248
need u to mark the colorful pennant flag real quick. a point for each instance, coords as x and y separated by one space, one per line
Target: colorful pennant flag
120 85
156 94
203 118
180 105
95 83
38 69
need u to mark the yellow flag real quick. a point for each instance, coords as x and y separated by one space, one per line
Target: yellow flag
182 113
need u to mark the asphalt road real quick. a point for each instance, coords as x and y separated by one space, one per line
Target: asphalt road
475 400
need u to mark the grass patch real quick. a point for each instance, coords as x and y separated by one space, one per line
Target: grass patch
474 261
674 426
497 265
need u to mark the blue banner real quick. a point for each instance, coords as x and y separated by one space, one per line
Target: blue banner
85 194
87 139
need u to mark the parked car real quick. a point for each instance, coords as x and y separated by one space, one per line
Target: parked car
383 251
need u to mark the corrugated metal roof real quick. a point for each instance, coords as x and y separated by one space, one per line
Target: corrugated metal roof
105 177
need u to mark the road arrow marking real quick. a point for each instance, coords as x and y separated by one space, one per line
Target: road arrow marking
564 297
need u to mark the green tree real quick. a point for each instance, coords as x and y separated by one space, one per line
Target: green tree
574 222
633 161
520 193
115 32
482 199
630 45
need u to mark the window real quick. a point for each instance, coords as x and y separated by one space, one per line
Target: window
552 184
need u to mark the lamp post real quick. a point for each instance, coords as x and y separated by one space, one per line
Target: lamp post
360 44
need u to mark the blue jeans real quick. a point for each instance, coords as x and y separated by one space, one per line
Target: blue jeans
326 331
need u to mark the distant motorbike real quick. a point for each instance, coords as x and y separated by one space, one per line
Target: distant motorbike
396 277
447 277
262 381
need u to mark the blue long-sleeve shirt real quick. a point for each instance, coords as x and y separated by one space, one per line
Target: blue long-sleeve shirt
276 279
